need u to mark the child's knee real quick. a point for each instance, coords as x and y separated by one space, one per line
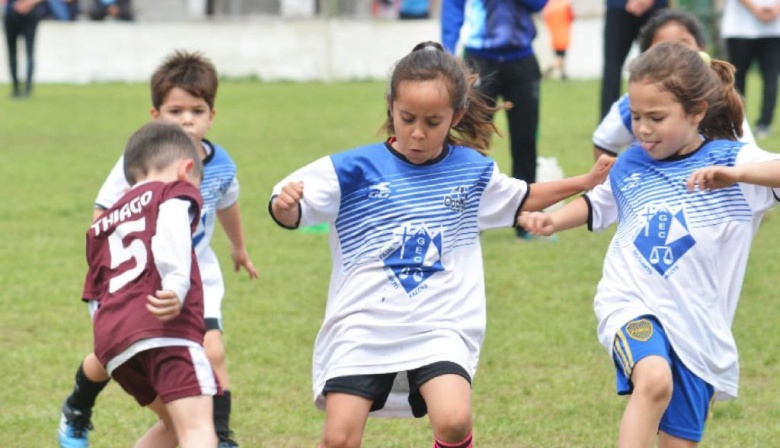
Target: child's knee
340 439
454 426
654 380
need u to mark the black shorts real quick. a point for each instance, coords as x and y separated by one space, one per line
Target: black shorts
377 387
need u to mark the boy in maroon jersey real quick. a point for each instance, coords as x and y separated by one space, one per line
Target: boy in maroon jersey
149 327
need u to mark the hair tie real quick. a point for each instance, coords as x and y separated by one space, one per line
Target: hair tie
705 57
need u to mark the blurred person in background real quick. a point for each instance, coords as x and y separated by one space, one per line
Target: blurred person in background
118 9
497 38
414 9
21 20
622 22
751 29
558 16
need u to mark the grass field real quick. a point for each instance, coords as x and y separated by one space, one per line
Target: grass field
543 381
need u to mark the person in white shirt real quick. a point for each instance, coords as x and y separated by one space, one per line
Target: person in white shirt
751 29
407 292
674 269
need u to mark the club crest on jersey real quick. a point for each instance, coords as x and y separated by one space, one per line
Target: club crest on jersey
379 191
664 238
415 258
640 329
455 200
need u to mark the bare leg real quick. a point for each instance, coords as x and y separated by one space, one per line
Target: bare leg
448 398
668 441
652 379
345 420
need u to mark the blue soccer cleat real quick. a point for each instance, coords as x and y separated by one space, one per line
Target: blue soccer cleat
74 428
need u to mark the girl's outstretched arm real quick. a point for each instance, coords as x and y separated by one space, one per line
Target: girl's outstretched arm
766 174
544 194
573 214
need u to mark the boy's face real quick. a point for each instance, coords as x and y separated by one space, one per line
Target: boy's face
193 114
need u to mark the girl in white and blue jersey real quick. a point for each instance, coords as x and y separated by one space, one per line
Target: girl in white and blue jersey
407 291
674 269
614 133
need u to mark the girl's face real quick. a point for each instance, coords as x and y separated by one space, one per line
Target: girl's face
674 31
659 122
422 117
193 114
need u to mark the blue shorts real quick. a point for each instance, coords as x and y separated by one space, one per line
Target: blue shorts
687 411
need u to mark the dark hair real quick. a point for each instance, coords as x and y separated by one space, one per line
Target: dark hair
154 147
429 61
695 84
191 72
663 18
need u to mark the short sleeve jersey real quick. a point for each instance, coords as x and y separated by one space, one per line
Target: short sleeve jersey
122 272
679 255
407 286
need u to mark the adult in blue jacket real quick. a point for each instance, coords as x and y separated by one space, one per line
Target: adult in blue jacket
497 37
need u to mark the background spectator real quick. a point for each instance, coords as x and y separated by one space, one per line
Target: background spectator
498 42
414 9
622 22
558 16
118 9
751 29
21 20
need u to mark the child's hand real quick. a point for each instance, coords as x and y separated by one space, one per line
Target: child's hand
284 206
712 178
598 174
536 223
289 197
241 258
164 305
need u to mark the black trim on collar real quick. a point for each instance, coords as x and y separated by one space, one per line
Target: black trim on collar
675 157
444 153
210 155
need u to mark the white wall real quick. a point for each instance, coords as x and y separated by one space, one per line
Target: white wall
267 48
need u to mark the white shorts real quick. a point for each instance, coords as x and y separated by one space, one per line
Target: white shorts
213 286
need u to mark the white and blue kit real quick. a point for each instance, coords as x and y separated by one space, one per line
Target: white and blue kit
407 285
219 189
615 132
677 255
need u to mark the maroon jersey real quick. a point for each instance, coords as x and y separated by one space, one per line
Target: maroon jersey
122 272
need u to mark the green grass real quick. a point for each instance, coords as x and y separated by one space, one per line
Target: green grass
543 381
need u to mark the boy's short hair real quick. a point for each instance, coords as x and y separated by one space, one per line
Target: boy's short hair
155 146
191 72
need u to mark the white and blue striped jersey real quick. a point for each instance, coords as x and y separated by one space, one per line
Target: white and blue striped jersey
615 132
677 255
219 189
407 285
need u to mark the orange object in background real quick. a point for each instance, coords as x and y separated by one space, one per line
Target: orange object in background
558 16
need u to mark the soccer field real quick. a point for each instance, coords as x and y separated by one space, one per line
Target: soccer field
543 380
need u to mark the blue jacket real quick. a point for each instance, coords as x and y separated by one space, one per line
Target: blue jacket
496 29
622 4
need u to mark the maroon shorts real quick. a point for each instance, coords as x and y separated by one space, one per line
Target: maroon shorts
170 372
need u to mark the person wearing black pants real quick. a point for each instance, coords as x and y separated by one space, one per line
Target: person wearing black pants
622 22
516 82
498 42
21 20
751 30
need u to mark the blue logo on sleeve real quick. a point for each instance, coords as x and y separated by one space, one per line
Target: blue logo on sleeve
664 239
